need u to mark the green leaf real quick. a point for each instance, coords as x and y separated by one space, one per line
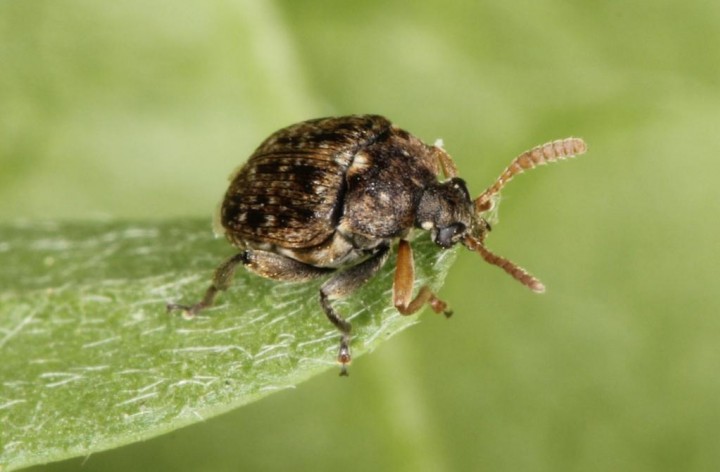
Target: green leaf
91 359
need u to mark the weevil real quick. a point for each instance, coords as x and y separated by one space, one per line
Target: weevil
331 197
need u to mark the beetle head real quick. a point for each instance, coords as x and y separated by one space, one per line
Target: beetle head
446 210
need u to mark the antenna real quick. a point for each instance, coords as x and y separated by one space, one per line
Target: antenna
515 271
549 152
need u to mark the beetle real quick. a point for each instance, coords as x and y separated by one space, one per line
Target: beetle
331 196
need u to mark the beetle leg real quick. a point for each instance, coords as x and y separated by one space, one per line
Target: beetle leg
263 263
278 267
342 284
447 165
221 281
403 285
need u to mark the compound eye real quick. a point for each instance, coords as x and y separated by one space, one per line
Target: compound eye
449 235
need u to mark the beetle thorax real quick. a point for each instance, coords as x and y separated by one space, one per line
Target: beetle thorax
446 210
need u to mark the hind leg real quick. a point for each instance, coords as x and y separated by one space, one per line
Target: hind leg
263 263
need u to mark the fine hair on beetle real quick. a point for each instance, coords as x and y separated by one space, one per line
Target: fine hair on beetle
331 197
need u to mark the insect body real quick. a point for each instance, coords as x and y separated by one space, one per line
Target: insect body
329 197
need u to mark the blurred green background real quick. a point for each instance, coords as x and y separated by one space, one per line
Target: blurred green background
141 109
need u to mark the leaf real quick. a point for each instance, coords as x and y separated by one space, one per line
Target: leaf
91 360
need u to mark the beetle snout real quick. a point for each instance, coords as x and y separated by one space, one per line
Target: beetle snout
450 235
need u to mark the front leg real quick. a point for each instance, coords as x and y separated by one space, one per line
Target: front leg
341 285
263 263
403 285
444 161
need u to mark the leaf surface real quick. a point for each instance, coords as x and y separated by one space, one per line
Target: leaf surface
91 359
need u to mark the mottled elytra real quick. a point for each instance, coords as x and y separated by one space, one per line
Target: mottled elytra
330 196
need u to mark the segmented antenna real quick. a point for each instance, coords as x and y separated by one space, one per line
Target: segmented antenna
548 152
515 271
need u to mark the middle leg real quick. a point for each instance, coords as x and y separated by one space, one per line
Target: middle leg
342 284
